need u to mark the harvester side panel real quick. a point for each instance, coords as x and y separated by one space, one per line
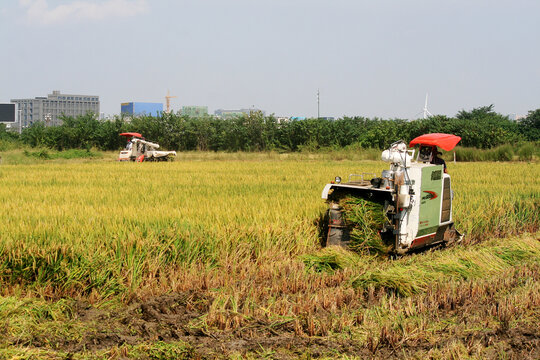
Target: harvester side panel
430 200
446 210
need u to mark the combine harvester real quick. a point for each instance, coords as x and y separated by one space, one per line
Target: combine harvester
415 196
138 149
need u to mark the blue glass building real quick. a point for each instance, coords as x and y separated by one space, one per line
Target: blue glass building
141 108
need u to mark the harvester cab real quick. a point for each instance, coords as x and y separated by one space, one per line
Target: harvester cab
414 195
138 149
425 154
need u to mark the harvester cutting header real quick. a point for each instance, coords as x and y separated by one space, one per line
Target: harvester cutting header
138 149
414 195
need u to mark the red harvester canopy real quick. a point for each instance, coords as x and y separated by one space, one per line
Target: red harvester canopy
131 134
444 141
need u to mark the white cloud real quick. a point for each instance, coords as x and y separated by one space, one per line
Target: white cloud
38 11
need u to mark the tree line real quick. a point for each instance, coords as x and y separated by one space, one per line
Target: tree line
481 128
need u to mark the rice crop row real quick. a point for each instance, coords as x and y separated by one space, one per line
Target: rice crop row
116 227
239 237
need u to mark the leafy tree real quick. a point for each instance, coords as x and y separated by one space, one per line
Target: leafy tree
530 126
480 127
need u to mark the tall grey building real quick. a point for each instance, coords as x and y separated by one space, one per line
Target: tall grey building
49 109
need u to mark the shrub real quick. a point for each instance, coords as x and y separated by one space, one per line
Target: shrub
503 153
526 152
470 154
45 154
6 144
40 154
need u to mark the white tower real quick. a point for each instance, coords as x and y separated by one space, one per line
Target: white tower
426 111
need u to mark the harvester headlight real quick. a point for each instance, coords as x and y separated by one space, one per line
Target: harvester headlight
338 180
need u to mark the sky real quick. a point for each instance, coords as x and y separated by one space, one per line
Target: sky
373 58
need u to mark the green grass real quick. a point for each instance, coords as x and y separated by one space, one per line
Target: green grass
412 274
527 151
45 154
27 156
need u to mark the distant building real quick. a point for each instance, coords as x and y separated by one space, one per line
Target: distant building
141 108
7 113
49 109
298 118
227 114
194 111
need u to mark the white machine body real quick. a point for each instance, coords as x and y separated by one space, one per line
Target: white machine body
417 199
142 150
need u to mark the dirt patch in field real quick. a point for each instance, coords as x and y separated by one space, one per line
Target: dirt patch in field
181 317
163 318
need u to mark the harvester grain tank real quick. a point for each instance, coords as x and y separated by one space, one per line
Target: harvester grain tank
138 149
415 194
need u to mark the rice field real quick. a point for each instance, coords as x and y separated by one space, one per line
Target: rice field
218 255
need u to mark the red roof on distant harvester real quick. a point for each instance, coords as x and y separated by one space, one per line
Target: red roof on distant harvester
131 134
444 141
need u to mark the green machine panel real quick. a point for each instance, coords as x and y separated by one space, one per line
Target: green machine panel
430 200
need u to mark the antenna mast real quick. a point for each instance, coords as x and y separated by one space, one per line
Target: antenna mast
318 105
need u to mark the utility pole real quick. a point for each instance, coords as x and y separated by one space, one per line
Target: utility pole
20 121
318 105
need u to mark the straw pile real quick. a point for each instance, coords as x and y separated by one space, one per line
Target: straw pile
365 220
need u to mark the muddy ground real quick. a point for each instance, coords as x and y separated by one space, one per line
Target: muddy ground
179 317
